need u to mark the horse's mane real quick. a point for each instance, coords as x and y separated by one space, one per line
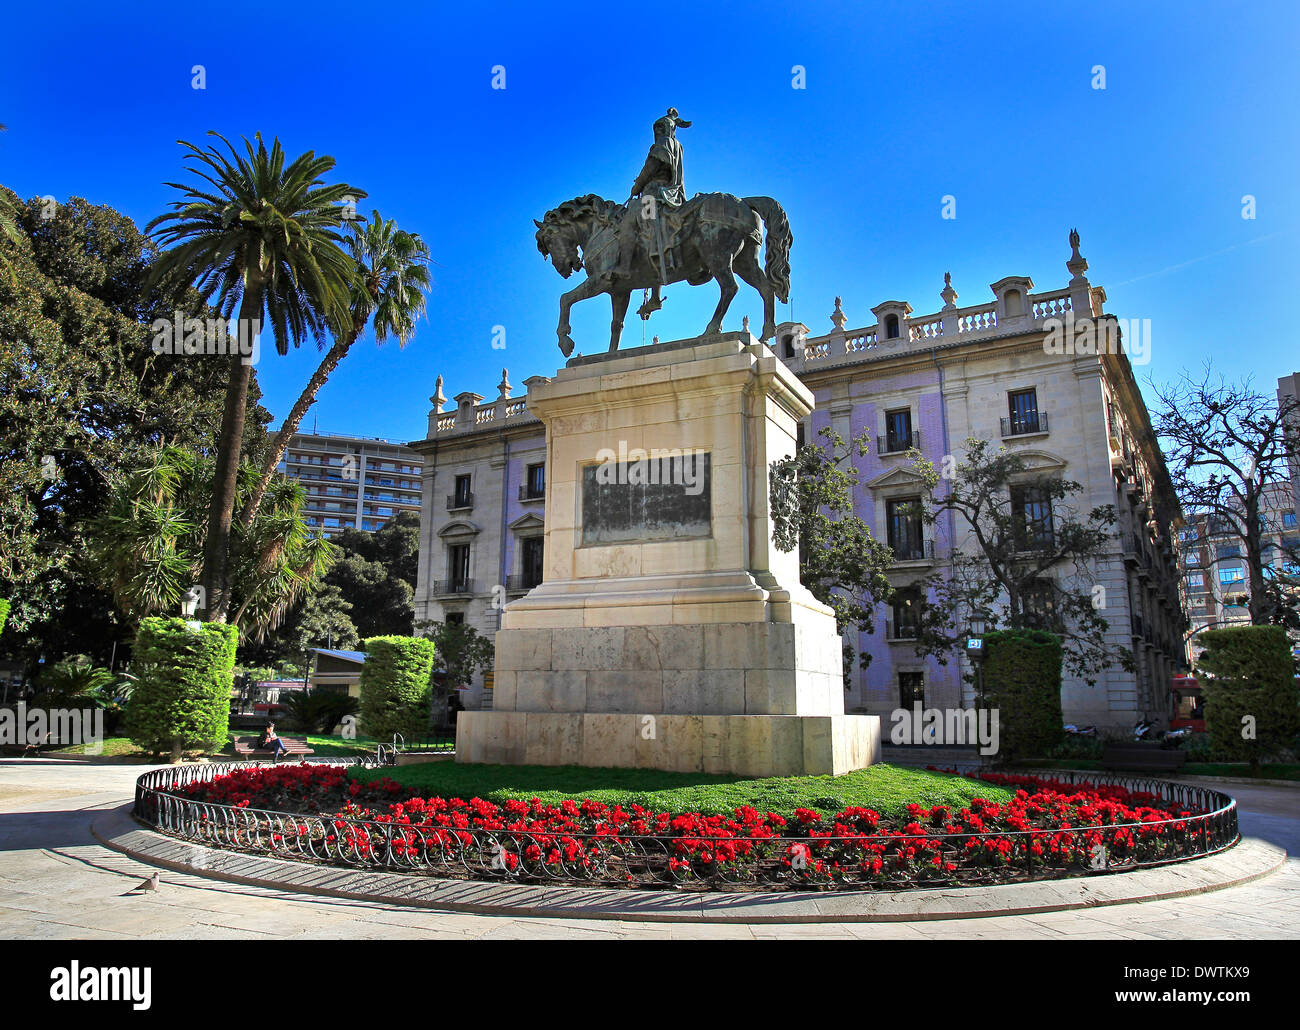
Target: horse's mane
604 211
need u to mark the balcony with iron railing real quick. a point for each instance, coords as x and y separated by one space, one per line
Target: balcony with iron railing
461 501
912 550
1032 538
449 587
901 631
1024 425
527 493
900 444
522 583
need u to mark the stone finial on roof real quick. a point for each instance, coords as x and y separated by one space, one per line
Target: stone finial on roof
437 400
744 324
504 386
837 316
948 294
1077 264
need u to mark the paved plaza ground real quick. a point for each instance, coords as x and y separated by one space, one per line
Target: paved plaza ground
57 881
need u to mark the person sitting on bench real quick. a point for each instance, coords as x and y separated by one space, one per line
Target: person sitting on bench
270 742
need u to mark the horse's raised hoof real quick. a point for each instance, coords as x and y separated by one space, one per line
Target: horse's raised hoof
649 308
566 345
768 332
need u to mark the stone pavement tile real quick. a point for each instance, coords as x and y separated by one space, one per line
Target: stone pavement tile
711 932
994 924
416 917
885 931
1088 928
388 933
644 931
208 933
949 929
1181 929
802 931
523 930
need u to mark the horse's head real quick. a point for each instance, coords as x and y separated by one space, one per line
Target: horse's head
556 241
564 231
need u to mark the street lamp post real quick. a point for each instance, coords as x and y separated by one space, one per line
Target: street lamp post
189 603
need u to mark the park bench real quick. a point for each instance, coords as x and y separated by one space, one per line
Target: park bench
246 747
1142 757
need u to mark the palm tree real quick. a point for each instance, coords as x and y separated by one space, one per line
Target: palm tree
390 278
147 547
265 237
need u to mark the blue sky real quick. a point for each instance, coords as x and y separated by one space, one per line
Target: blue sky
904 103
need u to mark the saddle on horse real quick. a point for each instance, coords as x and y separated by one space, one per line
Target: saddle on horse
661 236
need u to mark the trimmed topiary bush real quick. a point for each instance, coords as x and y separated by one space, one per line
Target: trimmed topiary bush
181 700
395 687
1252 707
1022 680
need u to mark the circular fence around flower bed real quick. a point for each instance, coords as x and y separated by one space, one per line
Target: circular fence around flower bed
846 855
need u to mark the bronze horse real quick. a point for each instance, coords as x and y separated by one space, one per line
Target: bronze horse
720 238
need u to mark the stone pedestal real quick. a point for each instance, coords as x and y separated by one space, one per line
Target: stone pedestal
669 632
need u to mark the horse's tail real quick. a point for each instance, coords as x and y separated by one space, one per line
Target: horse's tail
779 241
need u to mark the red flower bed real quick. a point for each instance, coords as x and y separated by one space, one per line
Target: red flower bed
1050 828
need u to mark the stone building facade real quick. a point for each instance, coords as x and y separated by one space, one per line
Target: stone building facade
1017 370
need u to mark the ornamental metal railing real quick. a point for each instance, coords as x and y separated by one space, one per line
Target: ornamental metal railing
1024 424
899 443
897 860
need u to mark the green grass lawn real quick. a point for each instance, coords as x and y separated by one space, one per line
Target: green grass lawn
325 747
886 788
114 747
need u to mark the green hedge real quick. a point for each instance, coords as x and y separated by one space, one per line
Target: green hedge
1022 680
4 614
181 700
395 688
1253 675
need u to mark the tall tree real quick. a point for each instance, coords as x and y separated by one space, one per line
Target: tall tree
389 281
81 393
376 574
840 562
263 237
1226 445
1033 560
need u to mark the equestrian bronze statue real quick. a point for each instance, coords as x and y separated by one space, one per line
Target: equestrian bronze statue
659 237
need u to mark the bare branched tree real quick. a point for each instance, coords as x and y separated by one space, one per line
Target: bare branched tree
1227 446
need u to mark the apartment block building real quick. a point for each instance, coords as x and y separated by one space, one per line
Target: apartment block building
353 482
1012 370
1288 398
1215 578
